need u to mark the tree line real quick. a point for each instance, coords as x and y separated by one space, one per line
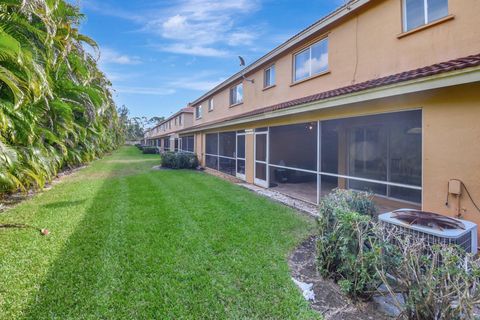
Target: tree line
56 106
134 127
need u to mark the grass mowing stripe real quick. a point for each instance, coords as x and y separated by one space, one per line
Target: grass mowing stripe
70 289
150 244
25 257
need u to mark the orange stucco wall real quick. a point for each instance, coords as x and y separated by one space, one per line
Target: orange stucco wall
451 140
363 46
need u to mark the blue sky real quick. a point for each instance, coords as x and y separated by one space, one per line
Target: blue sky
160 55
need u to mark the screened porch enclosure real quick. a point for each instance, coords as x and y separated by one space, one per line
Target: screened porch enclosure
166 143
225 152
378 153
187 144
293 160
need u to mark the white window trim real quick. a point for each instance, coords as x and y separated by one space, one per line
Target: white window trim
198 112
210 104
425 15
234 103
269 69
309 48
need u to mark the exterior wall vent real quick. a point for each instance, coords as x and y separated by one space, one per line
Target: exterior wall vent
434 228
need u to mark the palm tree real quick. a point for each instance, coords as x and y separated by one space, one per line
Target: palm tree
56 108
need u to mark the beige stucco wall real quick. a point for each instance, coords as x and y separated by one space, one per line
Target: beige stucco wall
362 47
157 132
249 156
451 140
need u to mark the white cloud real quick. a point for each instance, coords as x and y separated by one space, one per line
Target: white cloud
316 64
196 85
146 90
111 56
320 64
195 50
200 27
241 38
201 81
191 27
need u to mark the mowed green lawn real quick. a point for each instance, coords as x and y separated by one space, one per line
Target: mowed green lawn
128 242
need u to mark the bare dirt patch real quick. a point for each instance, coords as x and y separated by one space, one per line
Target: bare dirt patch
329 300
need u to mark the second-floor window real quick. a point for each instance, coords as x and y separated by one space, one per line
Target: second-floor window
210 104
198 112
269 77
417 13
311 61
236 94
180 119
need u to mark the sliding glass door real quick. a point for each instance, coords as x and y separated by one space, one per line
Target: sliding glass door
367 157
293 160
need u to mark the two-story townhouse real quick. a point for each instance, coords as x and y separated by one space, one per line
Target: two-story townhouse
165 134
380 95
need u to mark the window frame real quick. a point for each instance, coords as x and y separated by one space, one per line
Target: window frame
210 104
269 69
198 112
234 89
309 48
426 21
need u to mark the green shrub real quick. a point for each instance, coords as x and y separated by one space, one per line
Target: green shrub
179 160
345 249
150 150
436 281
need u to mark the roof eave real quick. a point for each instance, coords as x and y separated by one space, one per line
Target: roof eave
299 37
442 80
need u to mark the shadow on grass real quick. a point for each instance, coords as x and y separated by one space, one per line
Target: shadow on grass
77 285
151 246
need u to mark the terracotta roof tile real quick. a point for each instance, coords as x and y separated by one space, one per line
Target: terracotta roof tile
439 68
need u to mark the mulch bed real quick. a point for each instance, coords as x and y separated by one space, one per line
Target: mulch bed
329 300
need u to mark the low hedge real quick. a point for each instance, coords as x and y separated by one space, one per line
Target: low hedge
150 150
179 160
